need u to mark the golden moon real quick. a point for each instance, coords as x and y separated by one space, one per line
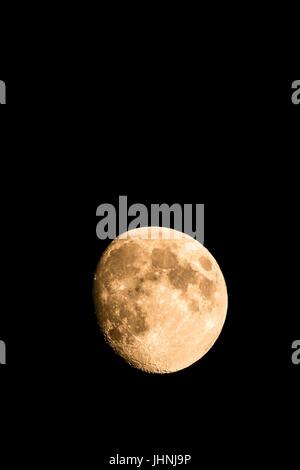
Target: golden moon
160 298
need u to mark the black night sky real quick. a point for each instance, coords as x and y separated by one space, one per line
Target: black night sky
233 150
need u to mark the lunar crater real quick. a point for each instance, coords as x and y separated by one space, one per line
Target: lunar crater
206 263
163 258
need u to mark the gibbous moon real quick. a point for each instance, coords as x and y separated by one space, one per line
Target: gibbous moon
161 300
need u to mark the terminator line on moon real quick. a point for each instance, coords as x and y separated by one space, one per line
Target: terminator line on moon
160 298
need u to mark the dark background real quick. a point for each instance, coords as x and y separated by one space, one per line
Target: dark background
229 143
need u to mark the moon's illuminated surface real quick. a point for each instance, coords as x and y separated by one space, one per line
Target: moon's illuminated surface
161 303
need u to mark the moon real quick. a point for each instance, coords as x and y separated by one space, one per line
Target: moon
160 299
